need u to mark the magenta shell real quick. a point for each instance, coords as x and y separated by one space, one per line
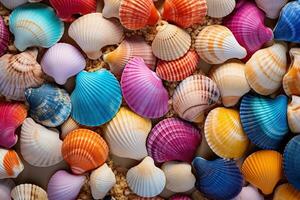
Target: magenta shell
180 197
247 25
4 37
143 90
173 139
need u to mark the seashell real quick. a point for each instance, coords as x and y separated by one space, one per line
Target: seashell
40 146
185 13
28 192
111 8
15 3
247 25
249 192
101 181
63 185
10 164
215 44
84 150
96 98
4 37
287 25
62 61
66 10
171 42
263 170
12 116
6 186
270 7
68 126
49 105
223 129
127 133
286 192
145 179
35 25
293 114
291 161
173 139
18 72
231 80
266 68
179 176
218 179
218 9
180 197
84 29
179 69
264 120
134 46
135 14
143 90
293 75
194 96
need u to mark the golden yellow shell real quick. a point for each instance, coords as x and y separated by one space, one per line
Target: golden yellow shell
293 75
286 192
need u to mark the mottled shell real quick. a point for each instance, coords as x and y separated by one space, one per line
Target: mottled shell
10 164
293 75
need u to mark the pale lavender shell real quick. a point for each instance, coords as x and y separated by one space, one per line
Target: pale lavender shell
6 185
4 37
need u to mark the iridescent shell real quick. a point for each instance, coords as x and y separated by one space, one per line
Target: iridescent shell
10 164
293 75
28 192
249 193
293 114
111 8
6 185
220 8
4 37
286 192
270 7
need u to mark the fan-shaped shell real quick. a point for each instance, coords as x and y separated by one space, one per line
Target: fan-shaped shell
68 126
171 42
145 179
220 8
84 150
96 98
6 186
15 3
143 90
270 7
87 31
194 96
28 192
180 197
286 192
293 75
263 169
35 25
266 68
4 37
10 164
215 44
111 8
293 114
249 192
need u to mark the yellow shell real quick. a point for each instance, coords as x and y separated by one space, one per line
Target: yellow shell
286 192
294 114
293 75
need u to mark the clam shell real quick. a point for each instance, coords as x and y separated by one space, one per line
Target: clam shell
68 126
10 164
215 44
111 8
249 192
180 197
286 192
4 37
293 114
293 75
28 192
270 7
263 169
6 186
220 8
12 4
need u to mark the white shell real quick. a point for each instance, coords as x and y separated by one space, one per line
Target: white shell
12 4
69 125
294 114
10 164
111 8
249 193
28 192
6 186
270 7
219 8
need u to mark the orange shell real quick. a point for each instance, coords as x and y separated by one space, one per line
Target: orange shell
11 165
286 192
84 150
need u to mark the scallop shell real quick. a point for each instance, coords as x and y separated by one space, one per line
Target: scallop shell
266 68
6 186
220 8
84 150
18 72
171 42
68 126
111 8
87 31
28 192
270 7
143 91
35 25
293 75
101 181
293 114
127 133
10 164
145 179
249 193
180 197
215 44
96 98
4 37
12 4
263 169
194 96
286 192
231 80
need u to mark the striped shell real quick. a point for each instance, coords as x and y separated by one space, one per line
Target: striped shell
220 8
4 37
28 192
293 75
111 8
286 192
293 114
10 164
68 126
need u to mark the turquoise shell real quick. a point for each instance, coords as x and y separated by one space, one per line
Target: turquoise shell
49 105
96 98
35 24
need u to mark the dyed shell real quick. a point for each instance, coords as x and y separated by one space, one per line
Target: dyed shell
286 192
270 7
248 193
111 8
6 186
220 8
293 114
293 75
180 197
28 192
4 37
10 164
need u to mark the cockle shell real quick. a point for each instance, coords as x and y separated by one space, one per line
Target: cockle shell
231 80
249 193
6 186
35 25
293 114
68 126
84 150
28 192
286 192
4 37
185 13
145 179
111 8
266 68
18 72
12 116
270 7
263 169
62 61
10 164
126 134
87 31
215 44
220 8
194 96
293 75
171 42
12 4
180 197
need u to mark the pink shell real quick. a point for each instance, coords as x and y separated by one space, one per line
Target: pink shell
143 90
180 197
173 139
4 37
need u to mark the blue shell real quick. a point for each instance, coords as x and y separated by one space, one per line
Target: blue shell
287 27
96 98
264 120
219 179
49 105
291 161
35 24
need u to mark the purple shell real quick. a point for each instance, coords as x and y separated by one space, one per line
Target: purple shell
4 37
173 139
143 90
180 197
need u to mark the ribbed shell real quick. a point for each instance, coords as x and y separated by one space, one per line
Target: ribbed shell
111 8
68 126
10 164
180 197
220 8
28 192
249 192
4 37
270 7
293 114
293 75
12 4
286 192
6 186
